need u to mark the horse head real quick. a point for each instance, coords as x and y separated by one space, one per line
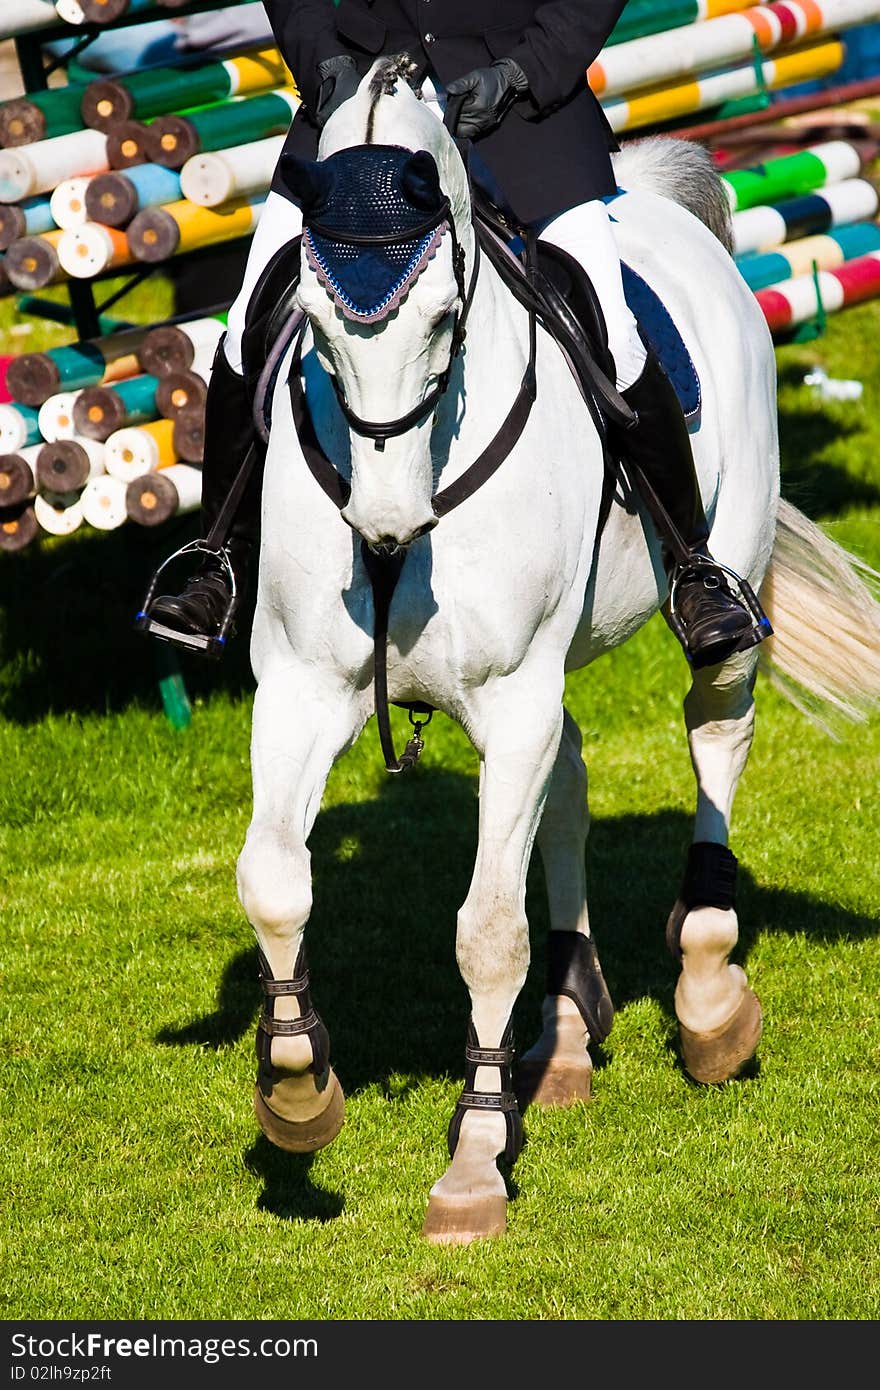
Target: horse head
387 255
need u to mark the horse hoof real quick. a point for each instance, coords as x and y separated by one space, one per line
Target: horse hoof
552 1084
302 1136
458 1221
722 1053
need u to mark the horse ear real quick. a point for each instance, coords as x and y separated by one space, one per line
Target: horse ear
420 181
309 181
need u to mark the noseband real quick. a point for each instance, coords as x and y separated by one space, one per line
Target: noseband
380 431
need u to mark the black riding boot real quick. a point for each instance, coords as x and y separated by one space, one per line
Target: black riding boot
200 616
709 619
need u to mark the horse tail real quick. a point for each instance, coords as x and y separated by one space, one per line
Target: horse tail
824 655
680 170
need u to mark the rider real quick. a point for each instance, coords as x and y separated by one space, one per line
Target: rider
543 137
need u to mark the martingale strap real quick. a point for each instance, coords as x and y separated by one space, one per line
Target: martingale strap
502 1101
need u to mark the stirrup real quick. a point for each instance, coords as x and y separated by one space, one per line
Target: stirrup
210 646
505 1102
760 627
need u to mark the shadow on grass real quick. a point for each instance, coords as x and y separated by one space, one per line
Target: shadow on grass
288 1191
820 489
68 644
382 940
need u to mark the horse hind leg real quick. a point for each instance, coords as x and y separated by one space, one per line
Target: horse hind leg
577 1009
719 1015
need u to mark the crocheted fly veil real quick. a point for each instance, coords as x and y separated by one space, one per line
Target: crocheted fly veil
373 218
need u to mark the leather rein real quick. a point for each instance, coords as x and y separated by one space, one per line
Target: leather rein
384 567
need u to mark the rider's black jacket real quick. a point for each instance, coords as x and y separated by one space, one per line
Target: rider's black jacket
550 152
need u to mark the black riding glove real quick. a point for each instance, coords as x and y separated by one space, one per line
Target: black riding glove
339 81
489 93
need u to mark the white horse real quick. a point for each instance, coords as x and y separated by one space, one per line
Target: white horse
512 589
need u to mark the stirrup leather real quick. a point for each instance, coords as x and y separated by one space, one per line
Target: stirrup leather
309 1023
505 1102
209 645
760 628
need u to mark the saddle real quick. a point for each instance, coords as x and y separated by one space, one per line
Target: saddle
542 276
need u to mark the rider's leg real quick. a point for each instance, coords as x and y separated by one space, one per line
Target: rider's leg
713 620
229 432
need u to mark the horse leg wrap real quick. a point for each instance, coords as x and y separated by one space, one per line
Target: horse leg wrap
270 1027
505 1102
709 881
573 969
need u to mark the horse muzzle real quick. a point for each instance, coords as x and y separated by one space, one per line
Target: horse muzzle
388 534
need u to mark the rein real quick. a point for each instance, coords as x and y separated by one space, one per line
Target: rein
384 569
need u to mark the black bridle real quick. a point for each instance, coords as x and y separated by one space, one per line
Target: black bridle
380 431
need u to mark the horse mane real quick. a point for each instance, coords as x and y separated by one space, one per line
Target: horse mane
382 79
683 171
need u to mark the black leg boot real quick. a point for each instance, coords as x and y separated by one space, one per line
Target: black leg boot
200 616
710 620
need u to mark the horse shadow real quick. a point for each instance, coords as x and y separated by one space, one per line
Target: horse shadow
381 944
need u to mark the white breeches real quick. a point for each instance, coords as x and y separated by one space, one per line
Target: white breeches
585 232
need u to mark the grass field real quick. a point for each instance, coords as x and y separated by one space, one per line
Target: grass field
136 1185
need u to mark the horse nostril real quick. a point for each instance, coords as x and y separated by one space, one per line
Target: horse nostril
387 546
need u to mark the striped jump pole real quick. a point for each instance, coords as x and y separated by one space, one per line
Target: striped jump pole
100 410
66 465
804 63
825 252
40 167
91 249
35 376
157 497
55 416
157 91
103 503
764 227
172 140
139 449
18 527
787 175
32 262
216 176
58 514
797 301
127 145
19 426
70 11
189 436
158 233
106 11
721 43
642 17
68 202
173 347
113 199
41 115
18 475
29 218
179 393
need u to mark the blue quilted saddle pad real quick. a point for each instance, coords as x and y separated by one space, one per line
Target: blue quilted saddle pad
661 334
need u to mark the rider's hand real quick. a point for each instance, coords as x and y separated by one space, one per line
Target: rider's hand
489 93
339 81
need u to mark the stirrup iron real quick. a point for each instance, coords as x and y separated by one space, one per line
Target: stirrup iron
212 646
760 628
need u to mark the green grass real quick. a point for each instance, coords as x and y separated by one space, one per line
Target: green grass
135 1183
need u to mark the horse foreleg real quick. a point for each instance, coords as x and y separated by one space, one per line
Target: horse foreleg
298 733
719 1016
522 730
577 1007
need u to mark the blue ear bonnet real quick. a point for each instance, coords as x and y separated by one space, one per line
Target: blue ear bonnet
388 212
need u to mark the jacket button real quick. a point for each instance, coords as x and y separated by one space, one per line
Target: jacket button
429 38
